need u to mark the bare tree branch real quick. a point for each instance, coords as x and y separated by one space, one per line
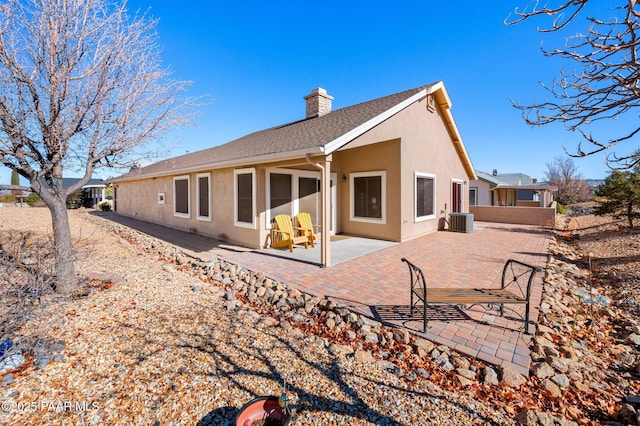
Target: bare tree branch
14 188
83 87
563 173
605 86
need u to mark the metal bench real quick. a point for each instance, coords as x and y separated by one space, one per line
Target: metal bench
516 276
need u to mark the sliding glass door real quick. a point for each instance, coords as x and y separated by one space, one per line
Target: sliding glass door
291 191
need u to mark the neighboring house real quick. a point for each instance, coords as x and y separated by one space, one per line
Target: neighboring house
390 168
92 192
509 189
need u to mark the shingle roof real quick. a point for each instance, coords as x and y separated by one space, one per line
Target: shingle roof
67 182
488 177
513 181
515 178
506 179
306 134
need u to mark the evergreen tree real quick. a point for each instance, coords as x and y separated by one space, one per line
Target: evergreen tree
621 190
15 181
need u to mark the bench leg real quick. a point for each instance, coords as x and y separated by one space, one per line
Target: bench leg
424 317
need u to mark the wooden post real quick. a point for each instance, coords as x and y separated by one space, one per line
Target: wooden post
325 193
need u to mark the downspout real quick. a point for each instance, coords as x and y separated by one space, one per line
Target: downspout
325 190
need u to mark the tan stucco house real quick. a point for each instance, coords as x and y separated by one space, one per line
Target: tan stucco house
391 168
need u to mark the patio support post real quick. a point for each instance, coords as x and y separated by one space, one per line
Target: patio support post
325 207
325 192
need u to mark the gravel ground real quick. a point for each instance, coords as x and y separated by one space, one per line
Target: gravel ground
147 342
615 253
160 347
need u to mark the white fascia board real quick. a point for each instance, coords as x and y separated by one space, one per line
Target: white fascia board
338 143
445 107
243 162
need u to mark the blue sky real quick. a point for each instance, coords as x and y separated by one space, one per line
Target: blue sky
258 59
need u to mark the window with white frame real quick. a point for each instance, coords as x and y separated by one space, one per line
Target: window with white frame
368 197
244 206
181 196
425 196
204 199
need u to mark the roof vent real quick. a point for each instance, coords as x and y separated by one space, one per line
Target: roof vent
495 172
318 103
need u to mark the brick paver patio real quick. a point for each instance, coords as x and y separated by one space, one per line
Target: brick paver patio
377 284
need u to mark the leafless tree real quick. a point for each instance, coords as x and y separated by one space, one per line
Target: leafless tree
82 87
563 173
606 83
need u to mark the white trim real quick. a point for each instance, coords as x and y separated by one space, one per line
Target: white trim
267 192
383 196
338 143
208 176
175 213
244 171
417 175
237 162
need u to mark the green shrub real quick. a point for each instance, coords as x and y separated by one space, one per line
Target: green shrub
560 208
7 198
32 199
105 206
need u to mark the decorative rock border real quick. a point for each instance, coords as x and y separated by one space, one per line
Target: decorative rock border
342 330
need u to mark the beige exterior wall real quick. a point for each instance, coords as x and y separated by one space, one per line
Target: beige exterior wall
483 192
525 203
139 199
541 216
414 140
428 149
383 156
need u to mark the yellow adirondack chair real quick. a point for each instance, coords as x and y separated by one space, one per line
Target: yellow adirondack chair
283 234
307 228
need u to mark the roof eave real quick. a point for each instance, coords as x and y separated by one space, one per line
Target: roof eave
444 104
341 141
239 162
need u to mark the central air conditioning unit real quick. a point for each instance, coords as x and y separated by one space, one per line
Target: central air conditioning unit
461 222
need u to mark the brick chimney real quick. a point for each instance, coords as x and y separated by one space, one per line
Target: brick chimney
318 103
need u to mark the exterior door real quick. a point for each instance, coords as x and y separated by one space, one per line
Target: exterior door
291 191
456 197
